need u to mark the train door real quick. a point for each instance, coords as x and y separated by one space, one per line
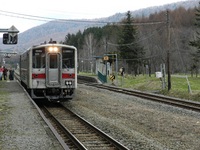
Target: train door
53 74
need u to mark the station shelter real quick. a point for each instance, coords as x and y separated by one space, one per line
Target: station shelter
101 68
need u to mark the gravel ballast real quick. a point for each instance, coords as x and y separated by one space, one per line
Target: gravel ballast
135 122
138 123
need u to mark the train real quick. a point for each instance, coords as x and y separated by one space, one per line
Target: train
49 71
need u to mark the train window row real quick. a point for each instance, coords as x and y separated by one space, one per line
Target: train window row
39 58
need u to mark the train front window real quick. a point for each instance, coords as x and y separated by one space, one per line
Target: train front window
38 58
68 60
53 61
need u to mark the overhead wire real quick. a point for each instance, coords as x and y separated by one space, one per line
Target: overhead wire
22 17
41 18
140 23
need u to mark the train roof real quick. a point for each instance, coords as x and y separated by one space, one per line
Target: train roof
53 44
50 44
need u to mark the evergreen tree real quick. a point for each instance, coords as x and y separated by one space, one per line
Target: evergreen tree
129 48
196 43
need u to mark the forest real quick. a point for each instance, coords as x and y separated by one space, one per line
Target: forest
161 38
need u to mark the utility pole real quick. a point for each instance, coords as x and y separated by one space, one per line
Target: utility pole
168 51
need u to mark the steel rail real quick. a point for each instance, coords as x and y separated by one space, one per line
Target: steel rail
78 144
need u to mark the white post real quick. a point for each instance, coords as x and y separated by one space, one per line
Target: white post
189 87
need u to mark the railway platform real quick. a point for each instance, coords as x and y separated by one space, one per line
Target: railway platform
21 126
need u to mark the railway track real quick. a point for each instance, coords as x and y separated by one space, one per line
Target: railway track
72 131
76 132
187 104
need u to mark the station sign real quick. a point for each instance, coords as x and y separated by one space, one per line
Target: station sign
106 58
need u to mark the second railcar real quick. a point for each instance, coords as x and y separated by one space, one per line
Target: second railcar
49 71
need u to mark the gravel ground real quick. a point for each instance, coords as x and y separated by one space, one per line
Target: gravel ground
21 127
137 123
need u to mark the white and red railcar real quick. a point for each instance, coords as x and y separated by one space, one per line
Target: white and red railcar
49 71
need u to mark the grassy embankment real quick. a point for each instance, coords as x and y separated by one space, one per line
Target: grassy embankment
179 86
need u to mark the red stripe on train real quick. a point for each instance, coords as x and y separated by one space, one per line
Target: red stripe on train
43 76
39 76
67 75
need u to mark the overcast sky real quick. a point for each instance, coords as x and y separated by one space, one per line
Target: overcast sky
65 9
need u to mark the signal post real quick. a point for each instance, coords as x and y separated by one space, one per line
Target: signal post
10 35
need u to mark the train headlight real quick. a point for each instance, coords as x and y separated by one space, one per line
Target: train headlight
50 49
53 49
68 82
